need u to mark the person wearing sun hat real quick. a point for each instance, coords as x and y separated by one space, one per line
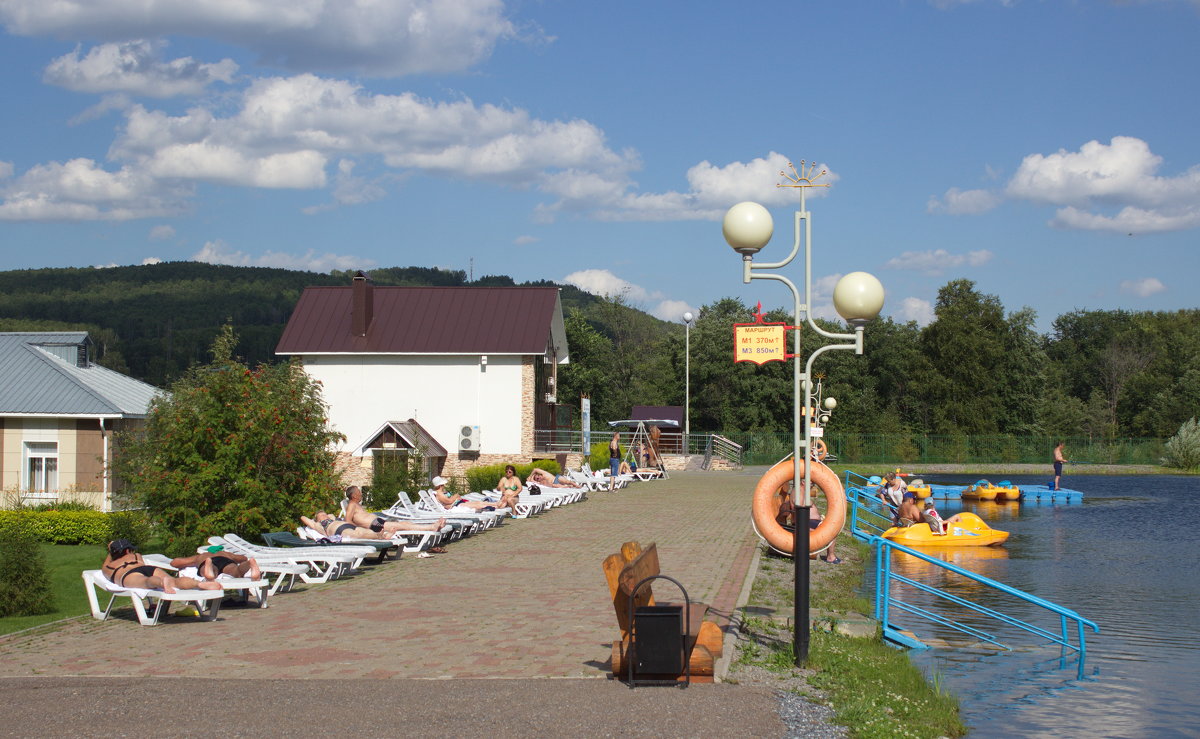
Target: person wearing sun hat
452 500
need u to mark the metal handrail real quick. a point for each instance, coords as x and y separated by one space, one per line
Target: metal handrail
862 506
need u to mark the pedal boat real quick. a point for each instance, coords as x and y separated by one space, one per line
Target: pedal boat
920 489
981 490
969 531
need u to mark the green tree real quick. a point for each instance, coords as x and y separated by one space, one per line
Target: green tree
231 449
588 372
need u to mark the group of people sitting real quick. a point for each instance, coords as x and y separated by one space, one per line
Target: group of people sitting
907 510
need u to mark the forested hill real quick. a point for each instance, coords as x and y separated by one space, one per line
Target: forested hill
153 321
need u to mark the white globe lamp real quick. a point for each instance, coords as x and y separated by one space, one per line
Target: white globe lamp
747 227
858 297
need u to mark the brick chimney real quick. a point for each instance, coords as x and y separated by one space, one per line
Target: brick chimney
362 305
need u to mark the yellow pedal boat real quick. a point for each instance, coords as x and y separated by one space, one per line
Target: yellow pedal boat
920 489
982 490
968 531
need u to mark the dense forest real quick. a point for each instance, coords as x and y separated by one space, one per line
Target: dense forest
975 369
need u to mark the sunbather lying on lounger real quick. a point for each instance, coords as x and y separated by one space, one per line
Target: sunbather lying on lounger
210 564
357 515
450 502
545 479
125 567
330 526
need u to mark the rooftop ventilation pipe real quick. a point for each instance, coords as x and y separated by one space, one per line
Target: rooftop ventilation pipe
362 309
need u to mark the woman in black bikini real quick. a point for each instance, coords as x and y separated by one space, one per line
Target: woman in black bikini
330 526
211 564
125 567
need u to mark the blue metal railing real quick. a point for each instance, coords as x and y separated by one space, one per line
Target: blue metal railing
867 522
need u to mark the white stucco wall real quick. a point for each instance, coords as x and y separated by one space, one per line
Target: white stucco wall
442 393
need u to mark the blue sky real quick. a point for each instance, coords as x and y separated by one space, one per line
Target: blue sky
1047 149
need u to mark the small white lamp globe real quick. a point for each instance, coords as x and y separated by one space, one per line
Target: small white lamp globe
747 227
688 317
830 404
858 297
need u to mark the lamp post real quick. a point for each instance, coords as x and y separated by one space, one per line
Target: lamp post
858 297
687 377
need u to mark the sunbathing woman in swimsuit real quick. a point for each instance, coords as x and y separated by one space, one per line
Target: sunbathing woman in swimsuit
547 480
330 526
125 567
509 488
210 564
357 515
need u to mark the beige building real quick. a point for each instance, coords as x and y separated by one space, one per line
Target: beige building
58 413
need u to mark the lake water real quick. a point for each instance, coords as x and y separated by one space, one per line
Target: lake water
1127 558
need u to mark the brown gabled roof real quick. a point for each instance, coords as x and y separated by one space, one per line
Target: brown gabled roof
426 320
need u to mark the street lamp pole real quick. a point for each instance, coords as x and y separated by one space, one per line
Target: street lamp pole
687 378
858 297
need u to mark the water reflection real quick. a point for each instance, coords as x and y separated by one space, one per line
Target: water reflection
1114 559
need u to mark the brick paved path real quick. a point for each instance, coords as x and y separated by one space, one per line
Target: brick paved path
527 600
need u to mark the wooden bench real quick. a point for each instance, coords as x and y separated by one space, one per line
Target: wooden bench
624 570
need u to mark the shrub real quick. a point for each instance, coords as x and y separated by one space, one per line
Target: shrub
393 473
131 525
60 527
24 577
1183 449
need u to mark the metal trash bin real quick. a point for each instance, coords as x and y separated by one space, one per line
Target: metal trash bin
658 640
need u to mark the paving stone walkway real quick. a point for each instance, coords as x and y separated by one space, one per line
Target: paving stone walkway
525 601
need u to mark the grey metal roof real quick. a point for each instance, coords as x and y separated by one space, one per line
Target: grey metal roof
39 380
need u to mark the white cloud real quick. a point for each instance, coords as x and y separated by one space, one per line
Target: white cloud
218 252
349 190
821 299
672 310
525 240
151 260
711 191
80 190
915 309
1097 180
604 283
936 261
1144 287
373 37
162 233
136 68
6 170
963 202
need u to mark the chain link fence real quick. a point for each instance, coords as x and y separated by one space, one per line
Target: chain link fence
768 448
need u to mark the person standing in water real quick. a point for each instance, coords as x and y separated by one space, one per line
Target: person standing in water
1058 463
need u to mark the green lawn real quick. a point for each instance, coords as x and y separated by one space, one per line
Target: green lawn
65 562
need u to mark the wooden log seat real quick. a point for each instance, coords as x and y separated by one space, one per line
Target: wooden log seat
624 570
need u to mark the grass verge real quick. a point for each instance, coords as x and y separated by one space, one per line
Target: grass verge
873 688
64 562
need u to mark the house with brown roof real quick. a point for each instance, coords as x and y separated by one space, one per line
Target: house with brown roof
470 368
58 412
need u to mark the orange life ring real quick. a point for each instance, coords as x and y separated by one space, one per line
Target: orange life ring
819 449
766 506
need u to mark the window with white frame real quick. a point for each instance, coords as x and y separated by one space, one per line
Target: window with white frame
41 466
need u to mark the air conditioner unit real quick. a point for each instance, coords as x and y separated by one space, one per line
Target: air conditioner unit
550 398
468 439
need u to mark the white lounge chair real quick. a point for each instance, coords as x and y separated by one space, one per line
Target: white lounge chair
260 588
325 563
285 572
427 505
149 605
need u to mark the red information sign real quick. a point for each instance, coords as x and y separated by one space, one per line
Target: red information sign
760 342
